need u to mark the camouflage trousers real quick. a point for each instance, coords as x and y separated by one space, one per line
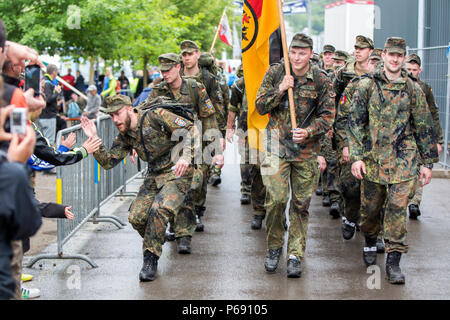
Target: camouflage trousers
251 180
330 178
156 204
351 192
416 195
200 185
302 176
394 197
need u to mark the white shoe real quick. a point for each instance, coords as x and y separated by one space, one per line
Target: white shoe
30 293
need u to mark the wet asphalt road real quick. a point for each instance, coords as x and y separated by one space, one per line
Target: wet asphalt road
227 258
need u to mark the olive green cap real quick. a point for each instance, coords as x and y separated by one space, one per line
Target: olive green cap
414 58
364 42
301 40
116 103
376 54
188 46
340 55
395 45
328 48
168 60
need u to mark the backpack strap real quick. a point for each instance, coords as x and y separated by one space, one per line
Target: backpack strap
193 92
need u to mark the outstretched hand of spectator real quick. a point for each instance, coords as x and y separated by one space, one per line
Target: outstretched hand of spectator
69 214
69 141
92 144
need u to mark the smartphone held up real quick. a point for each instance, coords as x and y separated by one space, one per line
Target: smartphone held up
33 78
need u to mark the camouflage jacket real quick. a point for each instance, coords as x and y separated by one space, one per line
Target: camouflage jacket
434 109
342 77
211 84
157 128
314 109
387 135
238 103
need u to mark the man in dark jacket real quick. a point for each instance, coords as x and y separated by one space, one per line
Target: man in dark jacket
47 120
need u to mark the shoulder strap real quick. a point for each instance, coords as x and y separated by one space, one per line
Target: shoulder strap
141 132
411 91
192 84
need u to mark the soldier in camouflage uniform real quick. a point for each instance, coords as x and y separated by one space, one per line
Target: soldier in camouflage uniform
165 193
252 187
375 58
191 68
413 63
327 58
339 59
193 94
348 184
294 158
389 125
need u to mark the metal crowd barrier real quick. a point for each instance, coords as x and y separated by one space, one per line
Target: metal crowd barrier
86 186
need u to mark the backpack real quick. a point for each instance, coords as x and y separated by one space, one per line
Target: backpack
74 110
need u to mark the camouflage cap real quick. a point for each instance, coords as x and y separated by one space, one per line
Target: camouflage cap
328 48
116 103
364 42
188 46
168 60
376 54
414 58
340 55
301 40
395 45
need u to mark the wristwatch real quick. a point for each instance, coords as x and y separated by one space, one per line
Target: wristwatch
428 165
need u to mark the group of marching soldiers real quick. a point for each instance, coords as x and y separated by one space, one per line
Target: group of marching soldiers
364 128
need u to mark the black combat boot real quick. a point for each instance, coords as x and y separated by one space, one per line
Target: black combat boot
370 251
319 191
326 201
393 271
294 268
335 210
198 214
348 228
272 259
245 198
184 245
215 180
148 271
380 245
414 211
257 222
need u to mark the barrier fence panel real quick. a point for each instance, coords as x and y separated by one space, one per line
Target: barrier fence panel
436 72
86 186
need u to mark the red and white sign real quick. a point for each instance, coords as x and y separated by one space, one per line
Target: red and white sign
225 31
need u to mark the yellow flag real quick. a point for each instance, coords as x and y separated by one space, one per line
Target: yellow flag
259 20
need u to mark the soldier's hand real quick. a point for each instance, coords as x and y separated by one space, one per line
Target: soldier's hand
133 155
92 144
299 135
288 82
230 134
425 176
180 167
322 163
357 168
346 154
439 147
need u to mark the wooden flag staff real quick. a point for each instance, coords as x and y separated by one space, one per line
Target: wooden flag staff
217 31
287 65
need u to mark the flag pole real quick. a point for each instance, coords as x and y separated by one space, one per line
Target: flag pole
287 65
217 31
